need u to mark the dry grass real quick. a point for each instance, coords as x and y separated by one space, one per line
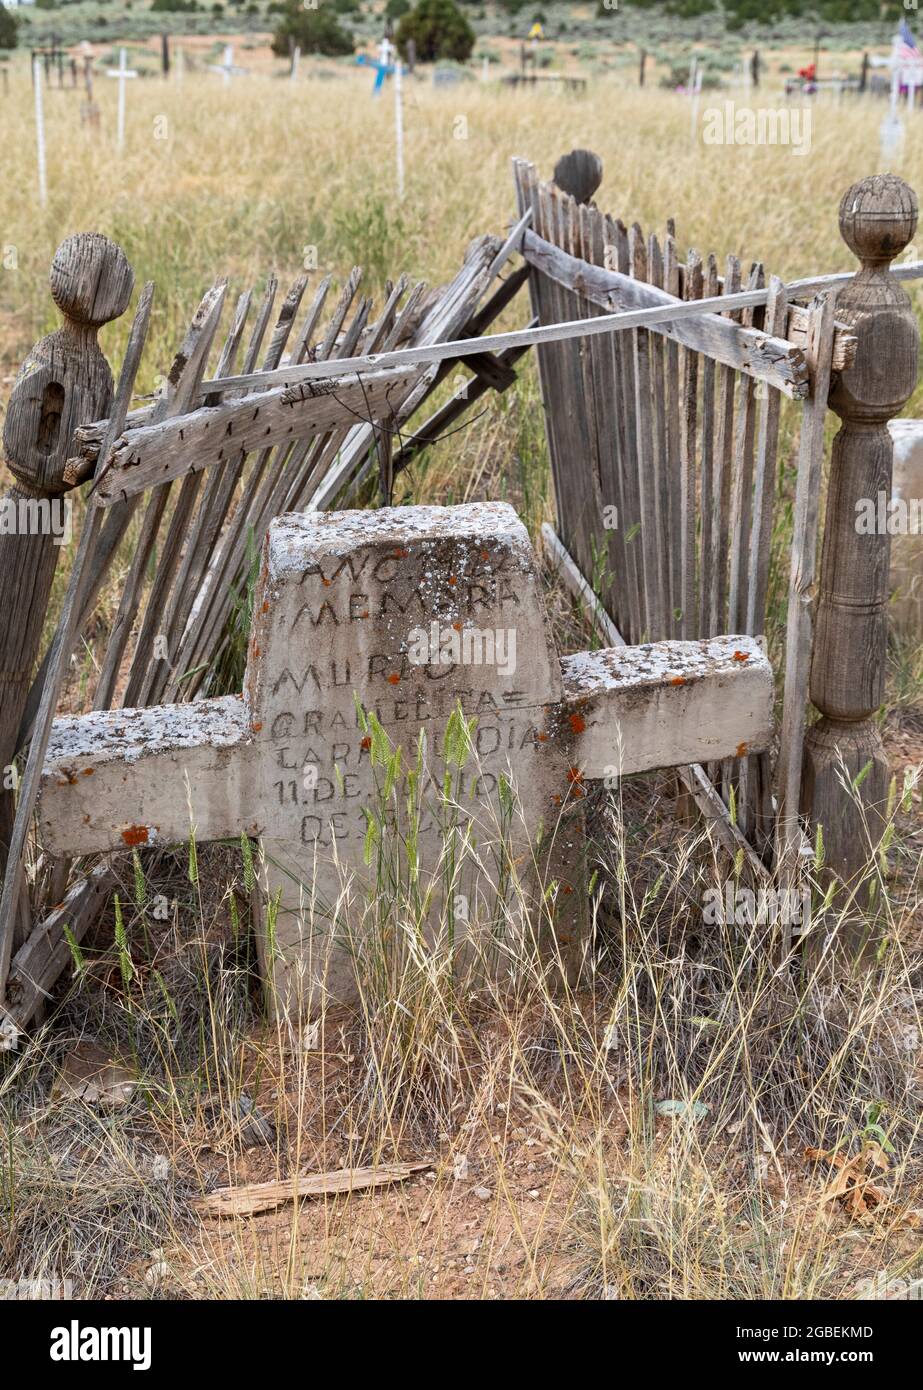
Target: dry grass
251 174
538 1097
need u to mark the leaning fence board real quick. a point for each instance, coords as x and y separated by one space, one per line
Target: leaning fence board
171 546
780 363
38 963
562 562
717 576
603 356
764 482
159 453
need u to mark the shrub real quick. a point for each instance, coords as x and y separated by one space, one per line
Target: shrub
314 31
439 30
8 26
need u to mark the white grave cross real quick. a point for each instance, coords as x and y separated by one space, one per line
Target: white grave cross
122 73
343 603
227 68
906 71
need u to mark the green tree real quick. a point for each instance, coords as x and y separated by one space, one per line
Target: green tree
396 9
313 31
8 26
176 6
439 30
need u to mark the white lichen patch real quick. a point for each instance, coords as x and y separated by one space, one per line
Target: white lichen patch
297 536
660 664
125 735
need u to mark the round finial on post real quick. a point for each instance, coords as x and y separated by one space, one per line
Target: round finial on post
91 280
579 173
878 217
65 381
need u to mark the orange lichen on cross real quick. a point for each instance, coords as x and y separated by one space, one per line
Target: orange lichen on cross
136 835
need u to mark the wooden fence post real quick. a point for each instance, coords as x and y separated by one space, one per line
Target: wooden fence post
64 382
878 217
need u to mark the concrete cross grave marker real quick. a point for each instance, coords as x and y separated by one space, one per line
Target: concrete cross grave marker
227 67
411 612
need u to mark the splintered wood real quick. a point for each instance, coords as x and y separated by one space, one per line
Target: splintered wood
257 1197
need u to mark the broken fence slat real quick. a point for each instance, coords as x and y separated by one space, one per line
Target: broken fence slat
696 323
156 454
254 1198
40 960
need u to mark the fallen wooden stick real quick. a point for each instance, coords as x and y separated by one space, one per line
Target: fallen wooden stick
264 1196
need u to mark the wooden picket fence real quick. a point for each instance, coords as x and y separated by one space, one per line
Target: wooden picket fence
664 447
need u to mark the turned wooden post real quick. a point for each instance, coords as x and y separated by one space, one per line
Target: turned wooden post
878 217
64 382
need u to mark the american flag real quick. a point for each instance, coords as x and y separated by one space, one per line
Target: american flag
907 49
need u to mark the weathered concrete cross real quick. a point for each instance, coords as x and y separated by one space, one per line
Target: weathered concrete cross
227 67
413 611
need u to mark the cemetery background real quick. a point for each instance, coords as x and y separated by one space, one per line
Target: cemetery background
181 215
